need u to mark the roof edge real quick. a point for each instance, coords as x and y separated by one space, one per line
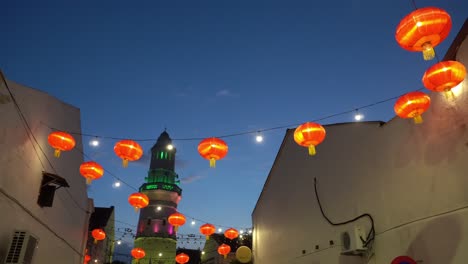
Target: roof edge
273 166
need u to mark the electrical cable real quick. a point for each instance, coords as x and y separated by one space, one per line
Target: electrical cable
371 232
239 133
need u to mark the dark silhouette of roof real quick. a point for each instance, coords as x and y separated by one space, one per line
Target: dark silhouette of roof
194 255
100 217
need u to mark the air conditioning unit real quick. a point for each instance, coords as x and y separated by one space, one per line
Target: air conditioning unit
22 247
352 241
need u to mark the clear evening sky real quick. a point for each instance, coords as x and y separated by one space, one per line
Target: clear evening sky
207 68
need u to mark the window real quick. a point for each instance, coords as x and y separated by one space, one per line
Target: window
50 183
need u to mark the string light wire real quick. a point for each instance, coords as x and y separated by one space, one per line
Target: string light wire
248 132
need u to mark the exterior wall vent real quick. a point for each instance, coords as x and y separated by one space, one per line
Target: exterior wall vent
22 247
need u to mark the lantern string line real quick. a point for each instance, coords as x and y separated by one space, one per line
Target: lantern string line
239 133
136 189
414 4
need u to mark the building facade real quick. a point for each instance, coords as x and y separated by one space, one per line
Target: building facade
411 179
154 233
102 251
45 205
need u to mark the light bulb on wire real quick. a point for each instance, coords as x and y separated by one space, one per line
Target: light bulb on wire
358 116
94 142
116 184
258 137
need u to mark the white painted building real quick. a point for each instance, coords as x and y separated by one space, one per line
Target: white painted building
412 179
58 232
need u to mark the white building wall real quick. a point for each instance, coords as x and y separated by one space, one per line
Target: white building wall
398 172
62 228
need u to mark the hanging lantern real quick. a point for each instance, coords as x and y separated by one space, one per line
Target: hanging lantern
444 76
207 230
231 233
138 200
128 150
98 235
412 105
403 260
309 135
244 254
423 29
91 171
212 149
138 253
182 258
61 141
176 219
224 250
87 258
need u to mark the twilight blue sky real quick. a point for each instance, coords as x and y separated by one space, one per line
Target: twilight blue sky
205 68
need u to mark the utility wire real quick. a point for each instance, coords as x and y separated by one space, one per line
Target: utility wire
372 231
239 133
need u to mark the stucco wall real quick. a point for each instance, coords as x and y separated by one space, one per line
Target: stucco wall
398 172
21 175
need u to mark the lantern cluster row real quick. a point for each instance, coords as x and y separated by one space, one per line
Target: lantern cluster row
177 219
421 31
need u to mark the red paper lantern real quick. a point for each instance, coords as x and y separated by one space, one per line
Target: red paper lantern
224 250
87 258
207 230
309 135
138 253
176 219
231 233
128 150
98 234
212 149
444 76
91 171
182 258
61 141
412 105
403 260
423 29
138 200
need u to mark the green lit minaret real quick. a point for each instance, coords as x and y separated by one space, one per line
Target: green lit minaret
155 235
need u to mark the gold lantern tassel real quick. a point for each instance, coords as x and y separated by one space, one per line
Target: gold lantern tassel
57 153
212 163
207 237
225 256
136 209
449 95
176 228
428 51
95 241
312 150
88 181
125 163
418 119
